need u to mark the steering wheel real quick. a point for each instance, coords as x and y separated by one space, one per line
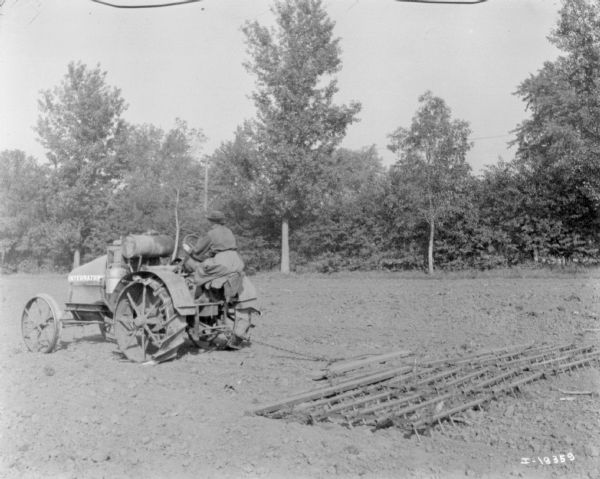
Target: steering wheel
189 241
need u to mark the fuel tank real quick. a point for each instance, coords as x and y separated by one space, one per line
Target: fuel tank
147 246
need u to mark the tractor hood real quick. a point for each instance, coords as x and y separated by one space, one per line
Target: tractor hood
91 273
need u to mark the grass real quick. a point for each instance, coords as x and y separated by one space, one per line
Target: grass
534 271
524 272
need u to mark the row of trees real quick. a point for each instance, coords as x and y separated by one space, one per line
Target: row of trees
542 204
104 177
286 184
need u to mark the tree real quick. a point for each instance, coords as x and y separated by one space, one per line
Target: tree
500 197
22 206
559 145
161 189
236 184
79 124
431 167
237 177
346 232
352 174
297 126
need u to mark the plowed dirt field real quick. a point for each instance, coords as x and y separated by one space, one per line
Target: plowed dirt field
85 412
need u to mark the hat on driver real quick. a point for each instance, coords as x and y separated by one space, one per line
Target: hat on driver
216 216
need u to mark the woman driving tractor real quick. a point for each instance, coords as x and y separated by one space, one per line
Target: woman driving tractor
215 254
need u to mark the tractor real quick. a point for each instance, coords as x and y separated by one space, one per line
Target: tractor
148 300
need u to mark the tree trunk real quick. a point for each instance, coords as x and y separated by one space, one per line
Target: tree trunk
430 249
176 250
76 258
285 247
206 186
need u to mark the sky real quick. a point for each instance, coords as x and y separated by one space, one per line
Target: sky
187 62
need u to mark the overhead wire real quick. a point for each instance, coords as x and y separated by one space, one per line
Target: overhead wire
442 2
147 5
183 2
491 137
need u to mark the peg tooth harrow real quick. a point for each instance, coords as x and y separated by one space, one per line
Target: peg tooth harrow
416 395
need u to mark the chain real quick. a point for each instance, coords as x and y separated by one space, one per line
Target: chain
298 353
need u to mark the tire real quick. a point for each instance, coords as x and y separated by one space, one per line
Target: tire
41 324
146 325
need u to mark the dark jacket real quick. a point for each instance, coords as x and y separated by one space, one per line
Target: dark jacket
219 238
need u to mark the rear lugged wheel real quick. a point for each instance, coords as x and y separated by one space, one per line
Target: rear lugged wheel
40 324
107 330
146 325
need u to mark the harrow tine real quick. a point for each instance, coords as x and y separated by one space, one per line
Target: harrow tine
407 409
428 392
481 354
342 367
494 379
418 425
462 379
329 391
587 359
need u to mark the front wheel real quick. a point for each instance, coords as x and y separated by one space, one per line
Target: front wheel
146 325
40 324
